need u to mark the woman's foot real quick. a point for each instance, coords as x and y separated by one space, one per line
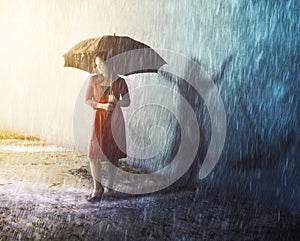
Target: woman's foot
95 196
92 198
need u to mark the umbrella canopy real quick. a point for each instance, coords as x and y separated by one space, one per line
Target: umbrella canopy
122 54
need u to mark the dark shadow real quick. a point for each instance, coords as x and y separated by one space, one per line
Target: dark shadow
196 102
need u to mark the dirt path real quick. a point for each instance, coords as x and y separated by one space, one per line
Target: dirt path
43 197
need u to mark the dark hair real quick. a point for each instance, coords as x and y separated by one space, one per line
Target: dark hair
103 55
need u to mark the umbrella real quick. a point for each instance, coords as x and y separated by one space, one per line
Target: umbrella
122 54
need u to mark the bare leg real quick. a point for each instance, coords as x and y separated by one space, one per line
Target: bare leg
111 175
96 174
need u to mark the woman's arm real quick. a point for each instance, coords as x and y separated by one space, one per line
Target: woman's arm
124 98
125 101
89 96
106 106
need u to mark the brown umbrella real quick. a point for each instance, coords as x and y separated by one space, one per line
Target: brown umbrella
122 54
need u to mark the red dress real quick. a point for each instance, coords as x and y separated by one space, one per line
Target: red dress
108 139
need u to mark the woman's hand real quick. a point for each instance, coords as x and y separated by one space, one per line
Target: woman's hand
110 107
112 99
106 106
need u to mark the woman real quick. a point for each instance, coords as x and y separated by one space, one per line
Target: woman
108 141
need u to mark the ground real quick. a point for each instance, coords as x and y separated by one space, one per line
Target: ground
43 197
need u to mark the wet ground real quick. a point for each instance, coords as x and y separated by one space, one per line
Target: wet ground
43 197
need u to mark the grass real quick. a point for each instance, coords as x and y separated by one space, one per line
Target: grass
10 135
131 169
83 172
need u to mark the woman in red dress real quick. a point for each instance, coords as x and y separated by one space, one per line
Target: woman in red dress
108 140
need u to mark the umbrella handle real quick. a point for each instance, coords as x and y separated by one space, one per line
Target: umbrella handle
110 98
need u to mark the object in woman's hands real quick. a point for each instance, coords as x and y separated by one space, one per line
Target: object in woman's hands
111 102
110 107
99 106
111 99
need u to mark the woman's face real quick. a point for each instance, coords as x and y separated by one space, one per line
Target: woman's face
100 66
98 61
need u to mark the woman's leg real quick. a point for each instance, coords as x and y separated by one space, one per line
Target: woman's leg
96 174
111 175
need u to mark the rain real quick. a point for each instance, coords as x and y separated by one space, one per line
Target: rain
212 137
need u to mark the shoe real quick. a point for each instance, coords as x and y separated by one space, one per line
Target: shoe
109 190
111 193
98 197
93 198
